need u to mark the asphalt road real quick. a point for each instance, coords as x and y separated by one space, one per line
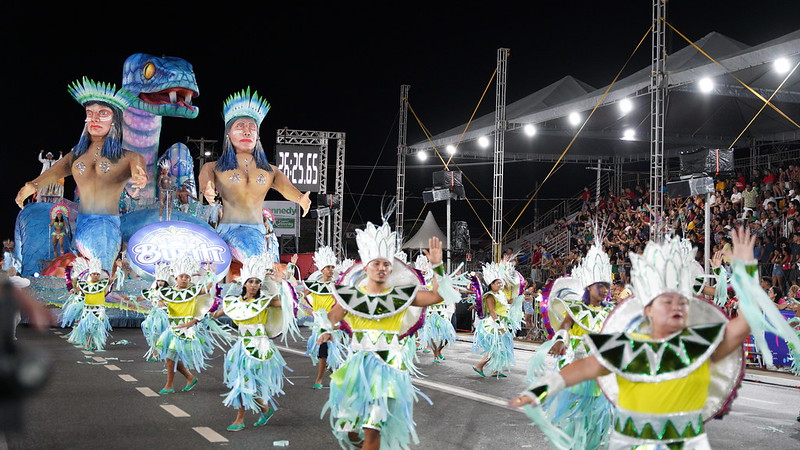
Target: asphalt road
108 400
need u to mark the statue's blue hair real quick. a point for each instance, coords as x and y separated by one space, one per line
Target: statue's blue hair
228 159
112 147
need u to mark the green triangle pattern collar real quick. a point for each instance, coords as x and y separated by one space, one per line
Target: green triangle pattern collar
93 288
320 287
238 309
170 294
590 319
650 361
375 306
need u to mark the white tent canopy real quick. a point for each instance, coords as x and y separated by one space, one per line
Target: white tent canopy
693 118
428 230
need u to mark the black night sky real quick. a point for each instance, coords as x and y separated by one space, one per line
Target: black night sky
338 66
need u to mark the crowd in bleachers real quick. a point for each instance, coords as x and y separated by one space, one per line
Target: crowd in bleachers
766 201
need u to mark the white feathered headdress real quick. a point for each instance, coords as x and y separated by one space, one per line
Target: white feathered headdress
254 267
344 265
663 267
185 263
323 257
162 271
494 271
376 242
593 268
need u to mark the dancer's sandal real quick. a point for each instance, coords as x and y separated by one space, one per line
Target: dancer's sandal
239 427
263 418
191 385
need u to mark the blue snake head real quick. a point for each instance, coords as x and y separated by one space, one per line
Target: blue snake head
164 86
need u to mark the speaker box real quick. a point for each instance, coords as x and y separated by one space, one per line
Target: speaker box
460 237
709 161
691 186
450 180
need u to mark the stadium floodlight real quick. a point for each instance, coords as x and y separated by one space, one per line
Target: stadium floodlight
628 134
451 149
781 65
422 156
529 130
625 105
574 118
706 85
483 141
207 153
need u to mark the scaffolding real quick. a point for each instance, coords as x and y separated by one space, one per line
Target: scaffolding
402 151
500 125
321 139
658 92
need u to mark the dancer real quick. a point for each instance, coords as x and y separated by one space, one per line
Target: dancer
514 288
157 320
669 370
254 368
59 215
494 340
87 305
243 176
372 398
319 295
577 305
438 331
101 169
166 190
185 344
273 249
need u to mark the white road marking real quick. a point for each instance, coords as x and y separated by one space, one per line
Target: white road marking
441 387
175 411
126 377
99 359
87 352
56 332
112 367
209 434
63 336
147 392
757 400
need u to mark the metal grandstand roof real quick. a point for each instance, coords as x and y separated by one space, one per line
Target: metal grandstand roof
694 119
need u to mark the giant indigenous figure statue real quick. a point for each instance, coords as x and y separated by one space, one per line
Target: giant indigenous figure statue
243 176
101 168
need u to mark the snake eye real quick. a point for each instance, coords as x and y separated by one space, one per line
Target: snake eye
149 71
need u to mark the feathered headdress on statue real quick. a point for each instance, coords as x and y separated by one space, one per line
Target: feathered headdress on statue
243 104
254 267
376 242
87 91
663 267
324 257
493 271
185 263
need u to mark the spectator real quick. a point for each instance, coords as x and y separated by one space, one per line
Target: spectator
736 198
749 198
776 295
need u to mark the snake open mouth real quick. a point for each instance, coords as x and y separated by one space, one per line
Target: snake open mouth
172 96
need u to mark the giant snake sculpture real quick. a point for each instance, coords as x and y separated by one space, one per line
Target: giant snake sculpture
164 86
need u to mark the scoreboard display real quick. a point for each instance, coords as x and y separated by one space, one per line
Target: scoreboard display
301 164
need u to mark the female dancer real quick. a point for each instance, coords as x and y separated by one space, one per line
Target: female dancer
666 370
253 366
493 337
185 344
319 286
157 320
438 331
88 305
59 227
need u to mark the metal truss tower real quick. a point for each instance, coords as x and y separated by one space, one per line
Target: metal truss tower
500 125
402 151
321 139
658 92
